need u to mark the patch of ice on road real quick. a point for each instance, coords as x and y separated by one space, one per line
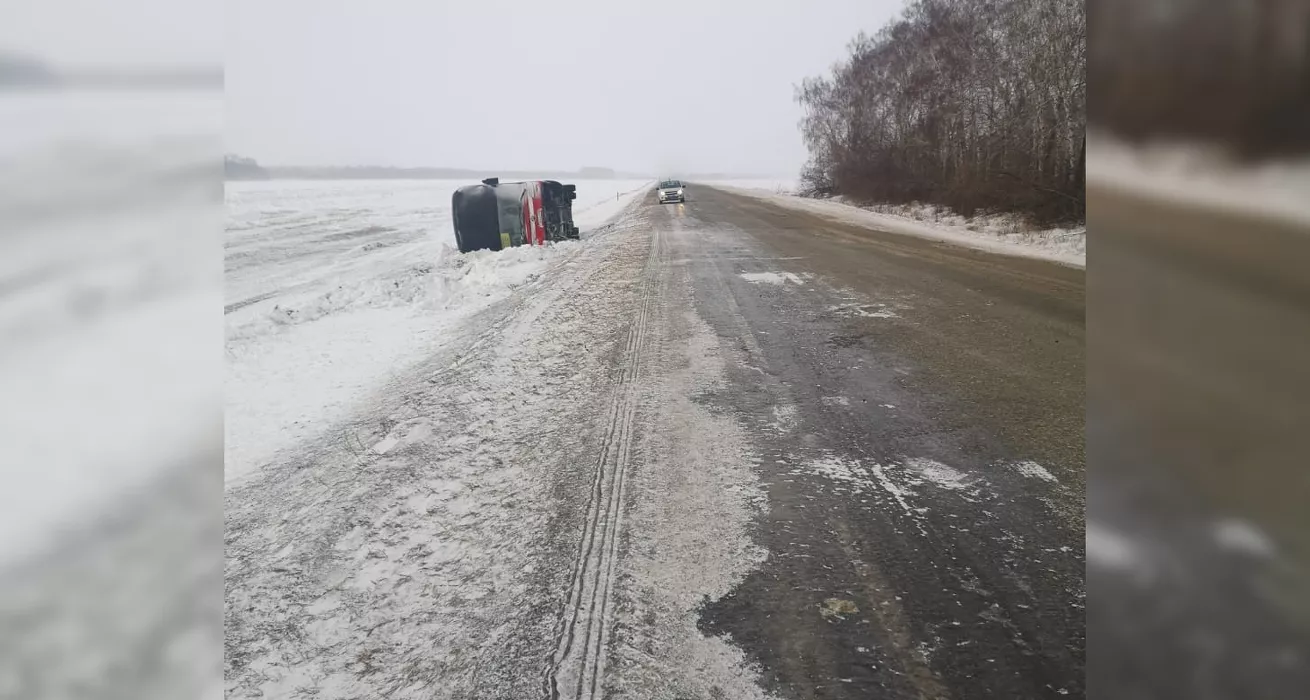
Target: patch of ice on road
847 472
938 473
895 479
1033 470
763 277
879 313
785 418
774 278
895 491
1110 549
1242 536
835 401
864 310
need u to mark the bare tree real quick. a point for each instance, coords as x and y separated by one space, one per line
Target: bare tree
972 104
1229 72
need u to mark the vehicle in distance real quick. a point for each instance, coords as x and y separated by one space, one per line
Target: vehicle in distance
495 215
672 191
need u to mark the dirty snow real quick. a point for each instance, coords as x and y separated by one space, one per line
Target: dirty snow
901 480
698 476
994 234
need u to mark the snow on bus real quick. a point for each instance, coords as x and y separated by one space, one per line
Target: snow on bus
496 215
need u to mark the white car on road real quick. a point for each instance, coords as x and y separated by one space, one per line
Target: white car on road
671 191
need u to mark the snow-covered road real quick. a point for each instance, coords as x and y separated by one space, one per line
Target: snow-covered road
716 449
334 288
458 533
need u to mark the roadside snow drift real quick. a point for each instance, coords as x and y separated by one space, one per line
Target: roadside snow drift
333 288
997 234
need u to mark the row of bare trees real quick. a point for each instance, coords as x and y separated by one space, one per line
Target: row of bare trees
976 105
1232 73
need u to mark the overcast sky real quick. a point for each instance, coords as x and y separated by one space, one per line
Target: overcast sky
115 32
673 85
691 85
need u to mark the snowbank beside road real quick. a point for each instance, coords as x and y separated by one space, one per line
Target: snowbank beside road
1199 176
298 370
335 288
997 234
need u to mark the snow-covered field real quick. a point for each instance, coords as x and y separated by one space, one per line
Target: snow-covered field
333 287
998 233
111 385
106 272
773 185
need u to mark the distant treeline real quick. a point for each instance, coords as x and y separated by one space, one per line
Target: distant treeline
711 177
240 168
977 105
24 72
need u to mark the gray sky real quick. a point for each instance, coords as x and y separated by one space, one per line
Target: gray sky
124 32
690 85
651 86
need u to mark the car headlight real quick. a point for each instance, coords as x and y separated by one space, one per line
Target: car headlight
679 193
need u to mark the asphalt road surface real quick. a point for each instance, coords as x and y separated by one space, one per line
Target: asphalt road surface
1197 526
900 355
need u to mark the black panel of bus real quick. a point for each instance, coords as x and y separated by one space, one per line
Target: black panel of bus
477 223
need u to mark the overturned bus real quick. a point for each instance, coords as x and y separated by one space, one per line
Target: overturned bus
496 215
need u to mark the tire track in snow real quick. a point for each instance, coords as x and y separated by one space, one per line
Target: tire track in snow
581 667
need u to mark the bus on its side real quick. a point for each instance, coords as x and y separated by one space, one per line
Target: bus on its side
495 215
